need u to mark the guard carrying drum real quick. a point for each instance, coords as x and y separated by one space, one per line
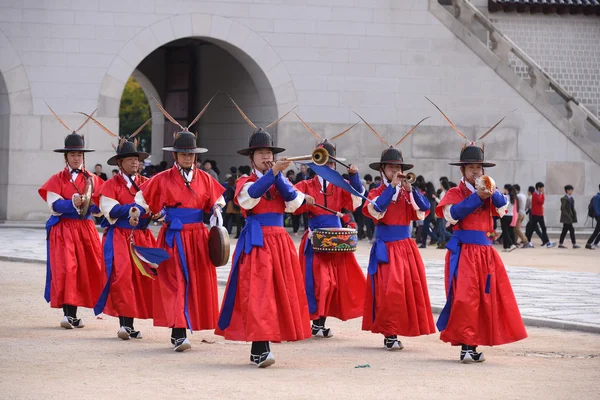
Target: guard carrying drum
186 294
74 268
333 279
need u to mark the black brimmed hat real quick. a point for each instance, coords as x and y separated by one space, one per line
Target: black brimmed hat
73 141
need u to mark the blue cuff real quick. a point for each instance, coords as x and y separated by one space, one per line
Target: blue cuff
461 210
421 201
498 199
260 187
94 209
285 188
356 183
122 211
63 206
383 201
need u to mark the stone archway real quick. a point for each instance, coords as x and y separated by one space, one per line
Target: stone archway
158 123
270 76
16 107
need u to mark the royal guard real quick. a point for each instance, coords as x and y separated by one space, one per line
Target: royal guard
480 308
185 294
396 298
265 299
127 292
74 269
334 281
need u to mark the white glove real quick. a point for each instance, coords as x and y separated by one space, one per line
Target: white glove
216 218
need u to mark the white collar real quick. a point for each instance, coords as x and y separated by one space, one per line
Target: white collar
468 185
258 173
187 175
321 181
126 178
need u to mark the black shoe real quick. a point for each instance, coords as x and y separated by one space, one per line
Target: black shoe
126 333
181 344
392 343
470 355
263 360
70 322
589 246
321 331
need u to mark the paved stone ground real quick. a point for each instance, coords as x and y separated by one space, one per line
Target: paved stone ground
546 298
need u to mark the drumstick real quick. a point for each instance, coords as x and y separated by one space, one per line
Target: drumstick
325 208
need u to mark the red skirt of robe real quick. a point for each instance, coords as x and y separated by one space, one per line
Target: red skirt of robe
169 288
130 292
76 263
477 318
401 295
339 284
270 302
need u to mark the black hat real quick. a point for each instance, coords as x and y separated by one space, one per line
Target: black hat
185 142
74 142
391 156
127 149
326 143
472 154
260 139
331 149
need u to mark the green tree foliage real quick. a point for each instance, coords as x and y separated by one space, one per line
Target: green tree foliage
133 112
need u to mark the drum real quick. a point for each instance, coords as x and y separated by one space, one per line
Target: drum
218 246
334 240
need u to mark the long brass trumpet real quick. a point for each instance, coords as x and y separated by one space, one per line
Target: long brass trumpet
319 157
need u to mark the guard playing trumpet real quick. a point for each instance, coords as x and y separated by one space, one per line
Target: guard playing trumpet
185 296
334 281
396 299
74 270
127 293
265 300
480 308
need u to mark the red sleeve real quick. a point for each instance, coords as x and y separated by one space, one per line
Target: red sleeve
54 184
301 187
452 196
153 194
214 190
109 189
98 183
372 194
239 184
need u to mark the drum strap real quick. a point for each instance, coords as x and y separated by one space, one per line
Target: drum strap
379 253
176 218
250 237
454 246
319 221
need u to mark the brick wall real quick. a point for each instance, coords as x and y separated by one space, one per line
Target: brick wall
566 47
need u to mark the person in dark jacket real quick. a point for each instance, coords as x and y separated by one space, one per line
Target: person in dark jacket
568 217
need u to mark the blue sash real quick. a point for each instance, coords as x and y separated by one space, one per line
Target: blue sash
176 218
251 236
109 254
53 220
454 246
319 221
379 253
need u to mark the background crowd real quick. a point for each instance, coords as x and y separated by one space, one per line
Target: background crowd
432 231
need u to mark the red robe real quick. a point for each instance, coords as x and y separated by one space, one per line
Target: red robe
338 279
402 298
167 189
476 317
75 252
130 292
270 304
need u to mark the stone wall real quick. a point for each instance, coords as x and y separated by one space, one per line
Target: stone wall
566 46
